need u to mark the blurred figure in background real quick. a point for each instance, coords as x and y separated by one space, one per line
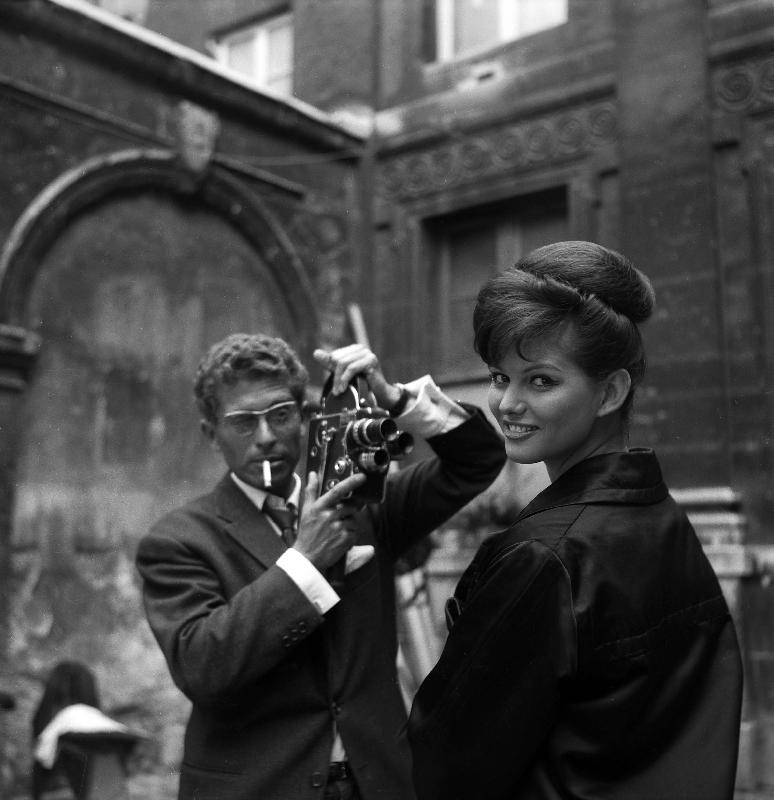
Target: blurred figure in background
79 752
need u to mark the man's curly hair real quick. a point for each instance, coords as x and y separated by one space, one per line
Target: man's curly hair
243 356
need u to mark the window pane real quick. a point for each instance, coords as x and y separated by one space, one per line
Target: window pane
280 52
476 24
264 52
241 50
469 25
537 15
282 84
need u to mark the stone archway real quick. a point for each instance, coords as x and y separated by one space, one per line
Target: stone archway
98 178
126 269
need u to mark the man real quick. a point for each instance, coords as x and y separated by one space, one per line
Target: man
293 683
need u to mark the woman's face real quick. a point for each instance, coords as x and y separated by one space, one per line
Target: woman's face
548 408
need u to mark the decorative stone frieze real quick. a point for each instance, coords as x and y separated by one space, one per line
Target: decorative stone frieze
552 139
748 86
197 132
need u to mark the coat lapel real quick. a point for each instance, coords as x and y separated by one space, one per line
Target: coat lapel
632 477
245 523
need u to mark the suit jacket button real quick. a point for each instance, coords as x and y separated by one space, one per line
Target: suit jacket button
317 779
287 641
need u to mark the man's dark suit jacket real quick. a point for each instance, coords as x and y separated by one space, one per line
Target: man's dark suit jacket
267 674
593 657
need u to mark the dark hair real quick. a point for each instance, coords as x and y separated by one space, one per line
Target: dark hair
70 682
592 290
246 356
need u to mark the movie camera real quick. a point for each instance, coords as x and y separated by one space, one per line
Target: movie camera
350 433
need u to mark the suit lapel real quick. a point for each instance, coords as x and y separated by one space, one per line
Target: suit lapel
245 523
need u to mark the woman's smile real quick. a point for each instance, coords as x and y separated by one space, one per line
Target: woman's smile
517 430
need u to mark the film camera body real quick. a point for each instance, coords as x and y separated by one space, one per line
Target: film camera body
351 434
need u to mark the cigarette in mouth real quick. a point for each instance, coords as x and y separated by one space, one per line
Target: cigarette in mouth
267 474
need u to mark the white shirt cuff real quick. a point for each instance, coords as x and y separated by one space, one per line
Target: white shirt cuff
308 579
430 412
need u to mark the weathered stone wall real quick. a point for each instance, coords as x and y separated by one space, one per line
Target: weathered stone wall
742 130
152 207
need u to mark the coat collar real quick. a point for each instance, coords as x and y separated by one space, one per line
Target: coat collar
632 478
246 523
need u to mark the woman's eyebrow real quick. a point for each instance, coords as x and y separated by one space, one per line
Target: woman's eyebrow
542 365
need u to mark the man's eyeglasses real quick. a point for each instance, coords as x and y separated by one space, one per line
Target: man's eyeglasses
278 417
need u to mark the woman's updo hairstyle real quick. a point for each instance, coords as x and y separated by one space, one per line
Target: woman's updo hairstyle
596 289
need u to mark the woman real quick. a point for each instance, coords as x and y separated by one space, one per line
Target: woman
591 653
79 751
70 683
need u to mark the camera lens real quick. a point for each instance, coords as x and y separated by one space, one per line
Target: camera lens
402 445
372 432
376 460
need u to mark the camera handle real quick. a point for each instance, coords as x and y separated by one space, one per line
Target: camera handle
348 401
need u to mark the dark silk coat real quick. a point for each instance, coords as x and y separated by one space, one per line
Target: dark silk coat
266 673
591 654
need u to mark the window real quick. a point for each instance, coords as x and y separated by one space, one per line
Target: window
133 10
263 51
470 247
465 26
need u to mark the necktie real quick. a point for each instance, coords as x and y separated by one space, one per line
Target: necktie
284 516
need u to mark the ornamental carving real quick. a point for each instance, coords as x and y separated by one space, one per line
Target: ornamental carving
545 141
743 87
197 132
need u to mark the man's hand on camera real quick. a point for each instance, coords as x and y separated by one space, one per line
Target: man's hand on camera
356 359
326 528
